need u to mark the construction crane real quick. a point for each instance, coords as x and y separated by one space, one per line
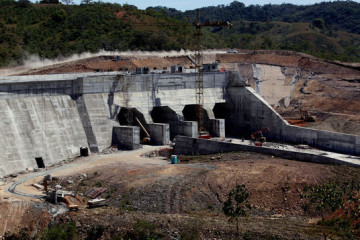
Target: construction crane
199 80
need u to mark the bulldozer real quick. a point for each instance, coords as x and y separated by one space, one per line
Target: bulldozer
306 116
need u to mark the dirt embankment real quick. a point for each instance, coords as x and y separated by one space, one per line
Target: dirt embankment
190 196
329 90
199 188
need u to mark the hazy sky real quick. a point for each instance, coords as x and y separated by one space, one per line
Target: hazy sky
191 4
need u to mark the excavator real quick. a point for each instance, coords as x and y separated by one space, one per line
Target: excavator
258 136
146 139
306 116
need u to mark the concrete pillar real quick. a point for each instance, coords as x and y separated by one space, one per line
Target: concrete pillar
186 128
159 133
216 127
126 137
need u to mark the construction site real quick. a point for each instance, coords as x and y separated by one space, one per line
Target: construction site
128 139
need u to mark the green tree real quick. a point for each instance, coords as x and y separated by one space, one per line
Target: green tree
319 23
23 3
61 232
236 204
325 197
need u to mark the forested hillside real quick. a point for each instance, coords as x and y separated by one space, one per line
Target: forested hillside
339 15
56 30
327 30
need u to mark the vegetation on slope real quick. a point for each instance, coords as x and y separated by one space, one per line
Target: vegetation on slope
53 30
339 15
326 30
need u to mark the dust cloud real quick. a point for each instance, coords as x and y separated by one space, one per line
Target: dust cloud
33 61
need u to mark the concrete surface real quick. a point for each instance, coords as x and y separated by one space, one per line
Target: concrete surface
195 146
250 113
47 127
126 137
52 116
216 127
159 133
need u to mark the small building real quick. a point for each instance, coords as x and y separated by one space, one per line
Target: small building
212 67
177 68
144 70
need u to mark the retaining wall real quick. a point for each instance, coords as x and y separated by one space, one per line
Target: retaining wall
250 113
195 146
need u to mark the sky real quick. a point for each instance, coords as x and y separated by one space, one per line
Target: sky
191 4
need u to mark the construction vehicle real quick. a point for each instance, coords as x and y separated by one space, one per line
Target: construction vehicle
70 202
258 136
146 139
306 116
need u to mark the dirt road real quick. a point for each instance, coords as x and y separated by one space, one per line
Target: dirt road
18 196
20 186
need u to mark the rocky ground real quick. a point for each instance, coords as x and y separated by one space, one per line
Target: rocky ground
185 201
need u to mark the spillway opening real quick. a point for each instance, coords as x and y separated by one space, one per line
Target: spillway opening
130 117
40 162
164 114
223 111
192 111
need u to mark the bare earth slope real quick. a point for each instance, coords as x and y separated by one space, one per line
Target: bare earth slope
186 199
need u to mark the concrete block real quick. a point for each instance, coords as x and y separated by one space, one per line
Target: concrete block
126 137
216 127
357 146
186 128
159 133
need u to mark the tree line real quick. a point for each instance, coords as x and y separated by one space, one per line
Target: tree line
52 29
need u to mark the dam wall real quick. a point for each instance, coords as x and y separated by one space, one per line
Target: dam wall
104 96
47 127
50 117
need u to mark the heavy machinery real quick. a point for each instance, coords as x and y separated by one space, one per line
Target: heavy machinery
258 136
146 139
70 202
306 116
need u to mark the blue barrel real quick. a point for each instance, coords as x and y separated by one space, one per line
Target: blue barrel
173 159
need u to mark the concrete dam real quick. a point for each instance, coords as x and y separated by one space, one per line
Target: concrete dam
46 119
